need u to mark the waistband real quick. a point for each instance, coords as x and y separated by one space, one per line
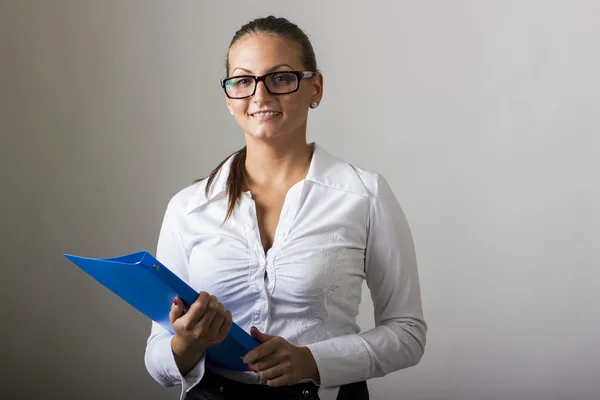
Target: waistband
233 389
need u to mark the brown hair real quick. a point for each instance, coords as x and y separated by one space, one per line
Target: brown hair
281 28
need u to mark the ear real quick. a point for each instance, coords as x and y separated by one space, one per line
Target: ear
317 88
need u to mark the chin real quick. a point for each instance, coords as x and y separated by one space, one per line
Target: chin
269 132
265 133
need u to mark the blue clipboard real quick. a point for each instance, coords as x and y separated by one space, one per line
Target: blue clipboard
150 287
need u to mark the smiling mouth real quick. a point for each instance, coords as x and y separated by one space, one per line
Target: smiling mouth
262 114
265 116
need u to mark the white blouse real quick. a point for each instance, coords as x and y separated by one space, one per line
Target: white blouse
338 226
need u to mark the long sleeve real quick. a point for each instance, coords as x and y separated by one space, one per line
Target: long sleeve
398 339
159 359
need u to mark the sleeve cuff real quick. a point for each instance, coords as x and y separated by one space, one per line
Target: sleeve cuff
341 360
193 377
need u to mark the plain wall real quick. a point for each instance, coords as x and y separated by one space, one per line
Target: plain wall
484 116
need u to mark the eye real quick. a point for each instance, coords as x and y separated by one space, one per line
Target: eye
282 78
239 82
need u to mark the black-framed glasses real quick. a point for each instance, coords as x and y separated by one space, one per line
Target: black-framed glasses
280 82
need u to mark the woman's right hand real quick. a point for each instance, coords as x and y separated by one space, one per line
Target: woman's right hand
205 324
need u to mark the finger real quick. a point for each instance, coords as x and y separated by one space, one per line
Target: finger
277 375
282 380
176 310
263 350
198 308
209 314
267 362
226 325
259 336
220 316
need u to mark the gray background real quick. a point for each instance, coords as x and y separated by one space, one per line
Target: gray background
483 115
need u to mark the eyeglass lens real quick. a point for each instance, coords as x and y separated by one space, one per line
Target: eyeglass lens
280 83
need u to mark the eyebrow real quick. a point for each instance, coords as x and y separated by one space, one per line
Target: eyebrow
270 70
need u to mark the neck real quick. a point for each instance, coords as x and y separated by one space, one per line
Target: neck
276 164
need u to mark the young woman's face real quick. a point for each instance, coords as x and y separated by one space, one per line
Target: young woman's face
267 116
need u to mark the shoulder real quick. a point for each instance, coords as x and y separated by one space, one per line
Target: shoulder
371 180
179 204
337 172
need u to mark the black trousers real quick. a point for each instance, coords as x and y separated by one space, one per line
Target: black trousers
216 387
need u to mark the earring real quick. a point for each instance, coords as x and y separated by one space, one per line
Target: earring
231 112
314 104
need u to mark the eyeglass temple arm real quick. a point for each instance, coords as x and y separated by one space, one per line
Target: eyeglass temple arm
309 74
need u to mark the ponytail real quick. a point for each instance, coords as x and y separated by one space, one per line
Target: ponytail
235 181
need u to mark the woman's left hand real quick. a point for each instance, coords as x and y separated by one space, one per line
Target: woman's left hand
279 362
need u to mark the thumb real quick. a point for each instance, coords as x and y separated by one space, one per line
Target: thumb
259 336
176 310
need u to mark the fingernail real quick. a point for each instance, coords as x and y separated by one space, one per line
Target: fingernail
175 301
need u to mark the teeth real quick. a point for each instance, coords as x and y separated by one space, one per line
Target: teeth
263 114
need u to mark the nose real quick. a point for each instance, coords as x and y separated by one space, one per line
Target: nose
261 95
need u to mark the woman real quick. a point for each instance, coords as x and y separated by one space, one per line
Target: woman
279 239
